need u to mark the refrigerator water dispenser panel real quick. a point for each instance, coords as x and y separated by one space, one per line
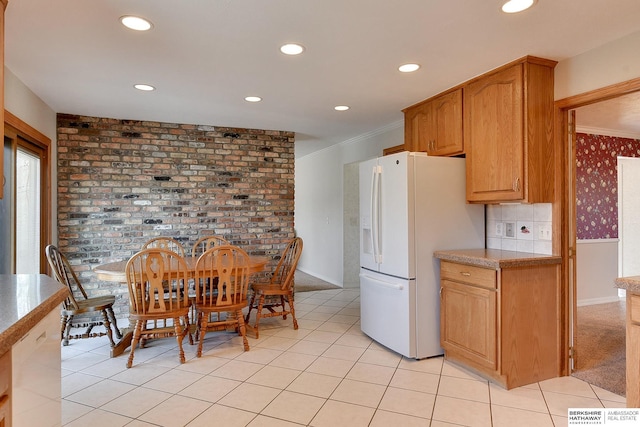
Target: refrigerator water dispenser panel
367 242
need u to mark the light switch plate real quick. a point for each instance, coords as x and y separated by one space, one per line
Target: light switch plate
544 232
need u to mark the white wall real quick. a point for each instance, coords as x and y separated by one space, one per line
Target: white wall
597 269
319 199
20 101
608 64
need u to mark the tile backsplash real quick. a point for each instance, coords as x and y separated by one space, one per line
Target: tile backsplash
520 227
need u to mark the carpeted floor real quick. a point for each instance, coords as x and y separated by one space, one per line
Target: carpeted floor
305 283
600 346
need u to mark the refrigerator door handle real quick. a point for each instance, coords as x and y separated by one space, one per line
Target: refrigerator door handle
395 286
375 213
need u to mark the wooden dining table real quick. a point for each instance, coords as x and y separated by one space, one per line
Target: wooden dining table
115 272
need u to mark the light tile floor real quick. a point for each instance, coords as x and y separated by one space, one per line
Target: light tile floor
327 373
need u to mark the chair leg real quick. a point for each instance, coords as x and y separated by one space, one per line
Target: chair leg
187 329
242 329
143 340
107 327
284 311
67 330
179 336
114 323
202 322
292 310
134 342
253 300
258 315
63 325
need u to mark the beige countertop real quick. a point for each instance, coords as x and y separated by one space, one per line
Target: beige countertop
495 258
25 299
631 283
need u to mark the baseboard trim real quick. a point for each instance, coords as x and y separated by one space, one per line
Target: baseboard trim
321 277
593 301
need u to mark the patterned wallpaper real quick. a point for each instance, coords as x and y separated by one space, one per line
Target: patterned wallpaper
597 183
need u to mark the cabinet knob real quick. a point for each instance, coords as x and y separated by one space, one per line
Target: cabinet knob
516 185
465 273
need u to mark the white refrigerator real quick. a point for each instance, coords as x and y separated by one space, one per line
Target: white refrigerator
411 205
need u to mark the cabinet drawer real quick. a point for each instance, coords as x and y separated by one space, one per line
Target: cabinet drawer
483 277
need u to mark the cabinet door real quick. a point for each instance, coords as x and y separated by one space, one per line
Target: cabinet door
447 125
468 323
493 136
417 125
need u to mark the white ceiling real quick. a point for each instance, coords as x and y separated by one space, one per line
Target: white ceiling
205 56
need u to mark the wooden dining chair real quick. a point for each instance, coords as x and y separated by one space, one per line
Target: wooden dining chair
278 293
207 242
222 283
152 304
93 311
163 242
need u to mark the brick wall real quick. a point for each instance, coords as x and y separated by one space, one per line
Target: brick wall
122 182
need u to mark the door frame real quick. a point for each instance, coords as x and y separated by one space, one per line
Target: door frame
561 222
15 128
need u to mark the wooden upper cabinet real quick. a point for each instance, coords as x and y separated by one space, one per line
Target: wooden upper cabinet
393 150
416 126
435 125
508 131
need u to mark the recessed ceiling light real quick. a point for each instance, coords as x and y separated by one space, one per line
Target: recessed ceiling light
292 49
515 6
408 68
144 87
135 23
253 99
341 107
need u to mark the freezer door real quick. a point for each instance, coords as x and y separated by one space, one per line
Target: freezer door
387 311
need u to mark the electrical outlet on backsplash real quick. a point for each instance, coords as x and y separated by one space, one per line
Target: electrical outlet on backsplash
520 227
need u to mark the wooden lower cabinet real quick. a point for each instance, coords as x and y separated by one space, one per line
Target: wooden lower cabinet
633 349
502 323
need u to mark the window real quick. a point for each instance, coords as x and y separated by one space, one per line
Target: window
25 207
28 211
